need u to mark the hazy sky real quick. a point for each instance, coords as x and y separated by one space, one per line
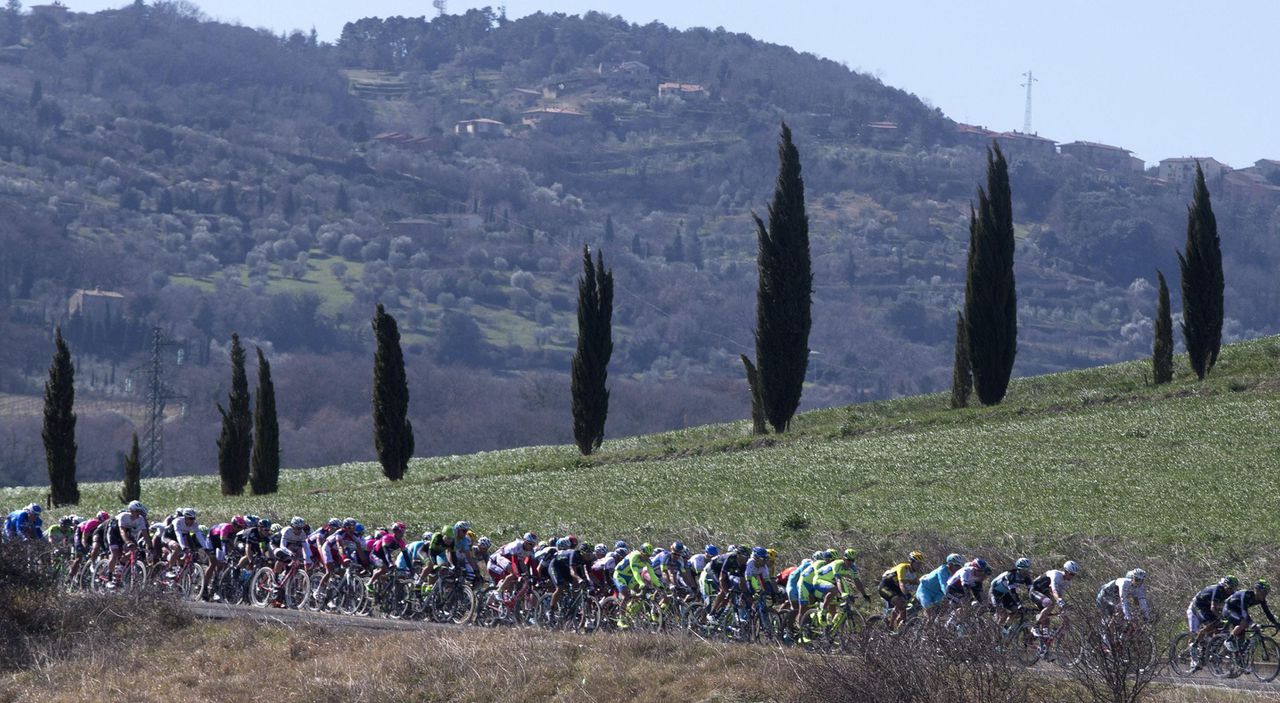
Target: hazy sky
1160 77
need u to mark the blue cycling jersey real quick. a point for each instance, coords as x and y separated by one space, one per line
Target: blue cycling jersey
413 552
933 585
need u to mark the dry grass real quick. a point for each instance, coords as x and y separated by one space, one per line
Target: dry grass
222 661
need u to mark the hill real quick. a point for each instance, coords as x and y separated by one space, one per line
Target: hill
1069 458
223 179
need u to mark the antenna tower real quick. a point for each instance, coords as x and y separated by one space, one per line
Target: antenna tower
440 6
157 394
1026 118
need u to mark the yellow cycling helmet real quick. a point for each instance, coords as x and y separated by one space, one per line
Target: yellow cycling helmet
917 556
773 554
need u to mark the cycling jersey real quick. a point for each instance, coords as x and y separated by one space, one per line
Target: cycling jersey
296 540
699 562
601 570
564 563
1004 588
1047 584
59 535
134 528
798 588
1210 596
966 583
933 586
1236 608
903 577
20 524
333 550
1121 592
188 530
410 558
757 569
629 572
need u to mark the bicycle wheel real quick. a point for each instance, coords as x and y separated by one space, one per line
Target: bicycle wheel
134 578
261 586
297 588
1027 648
610 614
1222 662
1183 655
101 577
1264 659
463 605
1068 647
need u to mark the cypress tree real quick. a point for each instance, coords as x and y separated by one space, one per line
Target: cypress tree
961 373
758 423
1202 282
608 229
590 365
264 471
227 204
132 488
236 441
785 291
343 202
990 299
59 432
392 431
1162 346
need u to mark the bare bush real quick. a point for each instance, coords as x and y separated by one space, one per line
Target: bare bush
1120 659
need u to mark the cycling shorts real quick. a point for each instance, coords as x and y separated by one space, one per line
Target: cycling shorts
1043 599
821 588
560 574
1197 617
621 581
1235 616
283 554
1007 600
889 590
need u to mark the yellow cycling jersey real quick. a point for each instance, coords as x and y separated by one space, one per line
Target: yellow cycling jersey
902 573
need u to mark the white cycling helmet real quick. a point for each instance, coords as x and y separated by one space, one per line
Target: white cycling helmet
189 513
1137 575
297 522
136 505
1071 567
954 559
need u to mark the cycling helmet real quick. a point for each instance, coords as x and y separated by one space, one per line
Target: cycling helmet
66 520
251 519
239 522
954 559
1137 575
622 545
563 543
461 526
817 556
297 522
916 556
980 564
530 538
136 505
426 536
731 549
35 508
349 523
711 550
773 553
620 552
103 515
1071 567
829 554
677 546
601 550
1262 586
189 513
1230 581
484 543
264 524
646 549
398 526
759 552
334 523
359 529
202 528
851 554
743 550
1022 564
686 552
573 541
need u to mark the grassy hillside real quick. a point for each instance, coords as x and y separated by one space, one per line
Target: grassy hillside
1094 453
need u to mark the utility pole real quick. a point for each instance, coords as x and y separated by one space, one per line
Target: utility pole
1026 119
440 6
157 394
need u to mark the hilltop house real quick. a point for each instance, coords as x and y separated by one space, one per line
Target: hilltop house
549 116
1022 144
1182 170
1103 156
480 128
973 135
96 305
683 90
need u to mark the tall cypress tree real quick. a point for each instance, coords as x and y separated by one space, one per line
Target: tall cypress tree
236 441
1202 282
990 298
1162 345
264 471
590 365
392 431
132 488
961 373
608 229
785 291
59 431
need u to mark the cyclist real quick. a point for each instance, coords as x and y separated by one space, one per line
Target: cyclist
1236 611
1118 594
187 535
84 545
463 539
1004 590
333 553
128 528
832 578
630 574
568 568
897 582
480 552
668 564
24 524
222 538
728 570
411 558
253 541
699 560
1204 614
381 549
603 568
295 539
965 586
1049 591
63 534
511 562
933 585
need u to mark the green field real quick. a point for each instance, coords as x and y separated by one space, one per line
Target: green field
1080 455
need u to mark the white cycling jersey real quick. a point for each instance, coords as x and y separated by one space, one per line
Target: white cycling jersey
699 562
296 539
187 529
135 527
757 568
1122 592
967 577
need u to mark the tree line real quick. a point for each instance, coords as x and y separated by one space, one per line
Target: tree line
985 340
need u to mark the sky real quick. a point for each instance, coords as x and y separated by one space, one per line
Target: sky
1162 78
